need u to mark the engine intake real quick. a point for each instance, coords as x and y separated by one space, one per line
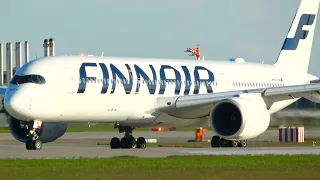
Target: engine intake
227 119
239 118
47 133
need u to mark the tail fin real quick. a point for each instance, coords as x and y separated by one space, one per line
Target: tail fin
296 50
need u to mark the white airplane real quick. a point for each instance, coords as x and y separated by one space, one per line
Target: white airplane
236 98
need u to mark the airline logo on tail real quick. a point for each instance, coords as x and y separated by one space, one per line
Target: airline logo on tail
292 43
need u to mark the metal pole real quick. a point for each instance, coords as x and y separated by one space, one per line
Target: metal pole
52 47
19 63
18 55
26 51
46 47
9 62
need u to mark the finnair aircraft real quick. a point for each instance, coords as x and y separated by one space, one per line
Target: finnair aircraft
236 98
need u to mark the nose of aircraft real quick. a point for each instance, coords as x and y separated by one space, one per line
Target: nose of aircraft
15 105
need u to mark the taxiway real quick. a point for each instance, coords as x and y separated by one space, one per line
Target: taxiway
75 145
58 151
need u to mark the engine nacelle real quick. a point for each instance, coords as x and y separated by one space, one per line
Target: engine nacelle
239 118
47 133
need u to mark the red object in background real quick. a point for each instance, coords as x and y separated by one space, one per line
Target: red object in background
159 128
172 129
199 134
195 51
291 134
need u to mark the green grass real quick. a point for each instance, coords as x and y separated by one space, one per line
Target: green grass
193 167
4 130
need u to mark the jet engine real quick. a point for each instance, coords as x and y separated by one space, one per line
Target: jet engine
239 118
48 132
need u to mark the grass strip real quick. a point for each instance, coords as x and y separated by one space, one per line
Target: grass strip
191 167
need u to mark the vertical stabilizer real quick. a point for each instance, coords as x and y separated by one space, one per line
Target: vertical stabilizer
296 50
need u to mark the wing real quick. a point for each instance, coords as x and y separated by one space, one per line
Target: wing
200 105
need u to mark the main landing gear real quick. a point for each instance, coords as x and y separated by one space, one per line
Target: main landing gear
128 141
216 141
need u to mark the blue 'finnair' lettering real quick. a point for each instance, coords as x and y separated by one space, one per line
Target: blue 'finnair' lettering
151 82
199 80
127 84
84 77
188 80
105 73
164 79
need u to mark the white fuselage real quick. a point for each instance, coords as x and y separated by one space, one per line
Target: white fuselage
70 94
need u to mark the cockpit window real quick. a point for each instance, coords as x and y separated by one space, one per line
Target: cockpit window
31 78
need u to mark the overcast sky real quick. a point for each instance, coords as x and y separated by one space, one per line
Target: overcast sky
252 29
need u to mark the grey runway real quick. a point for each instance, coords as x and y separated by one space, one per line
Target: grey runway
75 145
55 152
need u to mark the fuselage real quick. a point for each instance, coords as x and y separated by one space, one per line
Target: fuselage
106 89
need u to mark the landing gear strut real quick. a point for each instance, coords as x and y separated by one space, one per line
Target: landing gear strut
34 143
128 141
216 141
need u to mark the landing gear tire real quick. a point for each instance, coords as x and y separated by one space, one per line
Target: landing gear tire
242 143
28 145
215 141
225 143
132 142
141 143
234 143
115 143
127 143
33 145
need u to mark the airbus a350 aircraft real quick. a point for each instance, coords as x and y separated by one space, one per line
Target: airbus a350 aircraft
236 98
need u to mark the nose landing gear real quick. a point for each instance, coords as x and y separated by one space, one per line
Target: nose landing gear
34 143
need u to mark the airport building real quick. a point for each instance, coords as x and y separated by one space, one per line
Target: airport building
11 60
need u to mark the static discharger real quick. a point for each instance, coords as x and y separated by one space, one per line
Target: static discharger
194 51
